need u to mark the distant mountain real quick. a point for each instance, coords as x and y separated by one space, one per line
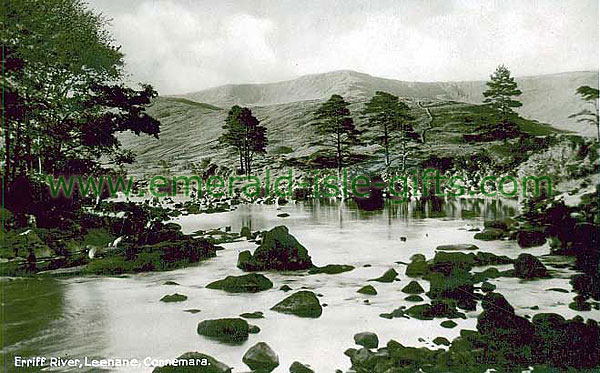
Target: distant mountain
546 98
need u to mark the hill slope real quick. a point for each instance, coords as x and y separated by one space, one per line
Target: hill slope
190 131
546 98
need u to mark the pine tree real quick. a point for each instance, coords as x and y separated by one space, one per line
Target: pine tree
392 119
234 133
244 133
336 126
501 90
589 95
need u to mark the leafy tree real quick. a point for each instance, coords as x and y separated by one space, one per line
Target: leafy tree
336 127
244 133
589 95
392 119
501 90
63 104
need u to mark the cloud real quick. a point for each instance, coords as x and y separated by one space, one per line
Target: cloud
184 46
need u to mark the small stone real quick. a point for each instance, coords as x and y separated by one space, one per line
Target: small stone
173 298
448 324
298 367
487 287
253 315
441 341
413 287
389 276
368 290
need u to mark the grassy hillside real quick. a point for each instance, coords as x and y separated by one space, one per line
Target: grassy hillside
546 98
190 131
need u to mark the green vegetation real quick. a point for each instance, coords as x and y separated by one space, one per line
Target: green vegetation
336 127
392 119
590 96
501 88
244 133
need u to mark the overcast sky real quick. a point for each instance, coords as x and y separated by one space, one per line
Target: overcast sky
188 45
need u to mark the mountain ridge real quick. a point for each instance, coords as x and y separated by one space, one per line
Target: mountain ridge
548 98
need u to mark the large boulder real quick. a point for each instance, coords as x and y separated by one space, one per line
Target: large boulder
366 339
278 250
489 234
226 330
261 358
250 283
448 263
528 266
531 238
194 362
303 303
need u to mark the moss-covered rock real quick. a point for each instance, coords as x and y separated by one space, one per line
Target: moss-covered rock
253 315
261 358
489 234
441 341
456 247
368 290
303 304
226 330
528 266
366 339
250 283
331 269
173 298
389 276
298 367
437 309
448 324
413 287
531 238
417 267
278 250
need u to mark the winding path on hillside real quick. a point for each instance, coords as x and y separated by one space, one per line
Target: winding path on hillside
429 120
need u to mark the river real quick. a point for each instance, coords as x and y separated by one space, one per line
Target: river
122 317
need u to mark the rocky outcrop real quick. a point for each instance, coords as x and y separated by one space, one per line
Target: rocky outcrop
278 250
528 266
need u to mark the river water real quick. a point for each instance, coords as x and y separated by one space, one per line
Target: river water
122 317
